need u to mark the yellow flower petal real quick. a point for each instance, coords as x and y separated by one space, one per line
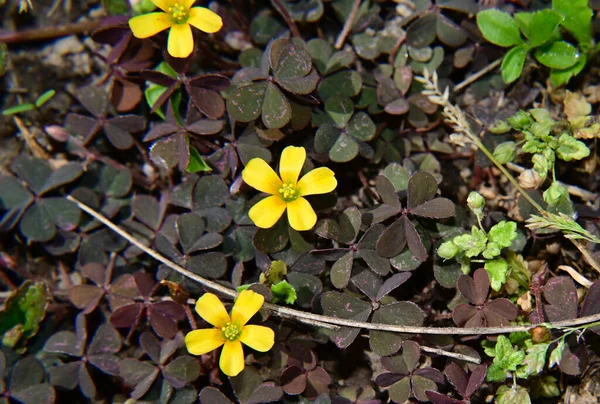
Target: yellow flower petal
210 308
187 4
147 25
259 175
258 337
247 304
181 41
162 4
291 163
267 212
318 181
232 358
301 215
205 20
199 342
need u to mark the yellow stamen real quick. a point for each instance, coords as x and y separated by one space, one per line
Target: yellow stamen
288 192
231 331
178 13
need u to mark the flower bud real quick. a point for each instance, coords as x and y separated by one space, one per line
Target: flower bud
521 120
555 193
499 127
475 201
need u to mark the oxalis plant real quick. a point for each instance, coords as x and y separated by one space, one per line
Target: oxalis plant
250 201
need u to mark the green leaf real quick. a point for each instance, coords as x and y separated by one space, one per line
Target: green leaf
497 270
276 111
542 26
23 312
492 250
577 19
499 27
472 244
515 395
283 292
536 358
570 148
448 250
503 233
495 373
244 104
17 109
512 64
344 149
557 55
340 109
45 97
555 194
560 77
523 20
505 152
361 127
556 354
196 163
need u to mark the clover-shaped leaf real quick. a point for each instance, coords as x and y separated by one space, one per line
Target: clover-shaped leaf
404 379
481 312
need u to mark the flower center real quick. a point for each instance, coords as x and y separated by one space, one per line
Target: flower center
231 331
178 13
288 192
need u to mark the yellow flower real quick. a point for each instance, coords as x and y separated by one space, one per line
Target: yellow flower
287 192
230 331
177 15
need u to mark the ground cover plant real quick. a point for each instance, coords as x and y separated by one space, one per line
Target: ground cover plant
331 201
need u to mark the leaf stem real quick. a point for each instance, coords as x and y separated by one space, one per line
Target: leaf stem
287 17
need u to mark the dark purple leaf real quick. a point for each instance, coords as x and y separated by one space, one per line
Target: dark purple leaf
575 357
591 304
145 283
293 380
151 346
209 102
318 382
64 342
420 384
381 266
83 125
213 396
393 240
438 398
368 283
561 293
107 340
392 283
126 316
431 374
139 375
107 363
160 130
86 384
214 82
38 394
344 306
267 392
413 239
422 187
457 377
475 289
94 99
438 208
463 313
387 379
118 137
387 192
63 175
26 373
85 297
411 353
158 78
164 316
181 371
475 380
171 152
125 94
499 312
399 106
341 270
65 376
205 127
